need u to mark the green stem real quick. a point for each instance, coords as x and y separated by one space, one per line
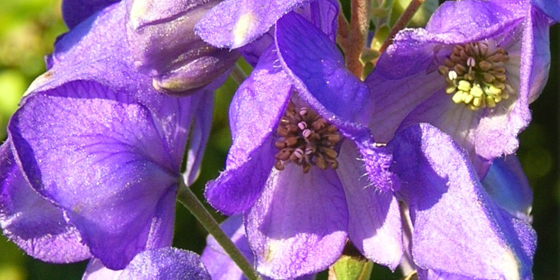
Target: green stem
188 199
401 23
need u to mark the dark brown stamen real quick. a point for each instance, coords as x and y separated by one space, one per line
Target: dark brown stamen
306 139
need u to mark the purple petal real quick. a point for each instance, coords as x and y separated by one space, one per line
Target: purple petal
427 274
550 7
103 160
32 222
165 264
323 14
76 11
95 270
298 225
235 23
254 114
199 137
458 228
474 20
374 217
507 184
317 67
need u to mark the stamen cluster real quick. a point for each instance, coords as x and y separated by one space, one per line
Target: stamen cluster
475 73
306 139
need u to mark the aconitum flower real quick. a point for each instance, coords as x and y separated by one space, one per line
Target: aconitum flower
436 182
472 72
97 143
457 230
158 264
291 170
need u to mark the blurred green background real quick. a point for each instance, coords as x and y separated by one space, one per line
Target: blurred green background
28 29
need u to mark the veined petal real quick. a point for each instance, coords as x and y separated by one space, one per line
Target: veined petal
76 11
165 264
103 160
255 111
374 224
31 221
298 225
234 23
458 228
508 186
110 64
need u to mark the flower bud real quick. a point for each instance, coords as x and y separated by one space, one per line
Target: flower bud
161 36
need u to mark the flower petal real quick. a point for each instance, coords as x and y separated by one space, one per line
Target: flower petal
255 112
234 23
298 225
32 222
202 125
95 270
103 160
374 218
76 11
313 61
458 228
165 264
507 184
550 8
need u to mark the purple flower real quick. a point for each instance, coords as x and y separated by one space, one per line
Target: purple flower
97 152
550 7
161 36
455 228
472 72
158 264
292 171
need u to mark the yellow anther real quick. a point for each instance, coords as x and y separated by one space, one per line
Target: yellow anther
476 91
464 86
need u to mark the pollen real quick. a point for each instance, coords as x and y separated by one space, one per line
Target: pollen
476 76
306 139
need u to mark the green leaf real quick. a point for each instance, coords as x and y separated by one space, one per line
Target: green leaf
351 268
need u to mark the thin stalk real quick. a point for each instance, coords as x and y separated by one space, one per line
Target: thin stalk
359 24
188 199
401 23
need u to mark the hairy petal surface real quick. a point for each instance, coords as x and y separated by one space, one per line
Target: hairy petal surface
298 226
165 264
458 228
374 225
32 222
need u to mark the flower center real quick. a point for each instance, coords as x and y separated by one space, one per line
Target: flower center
476 75
306 139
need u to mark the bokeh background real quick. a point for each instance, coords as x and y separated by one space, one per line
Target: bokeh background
28 29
